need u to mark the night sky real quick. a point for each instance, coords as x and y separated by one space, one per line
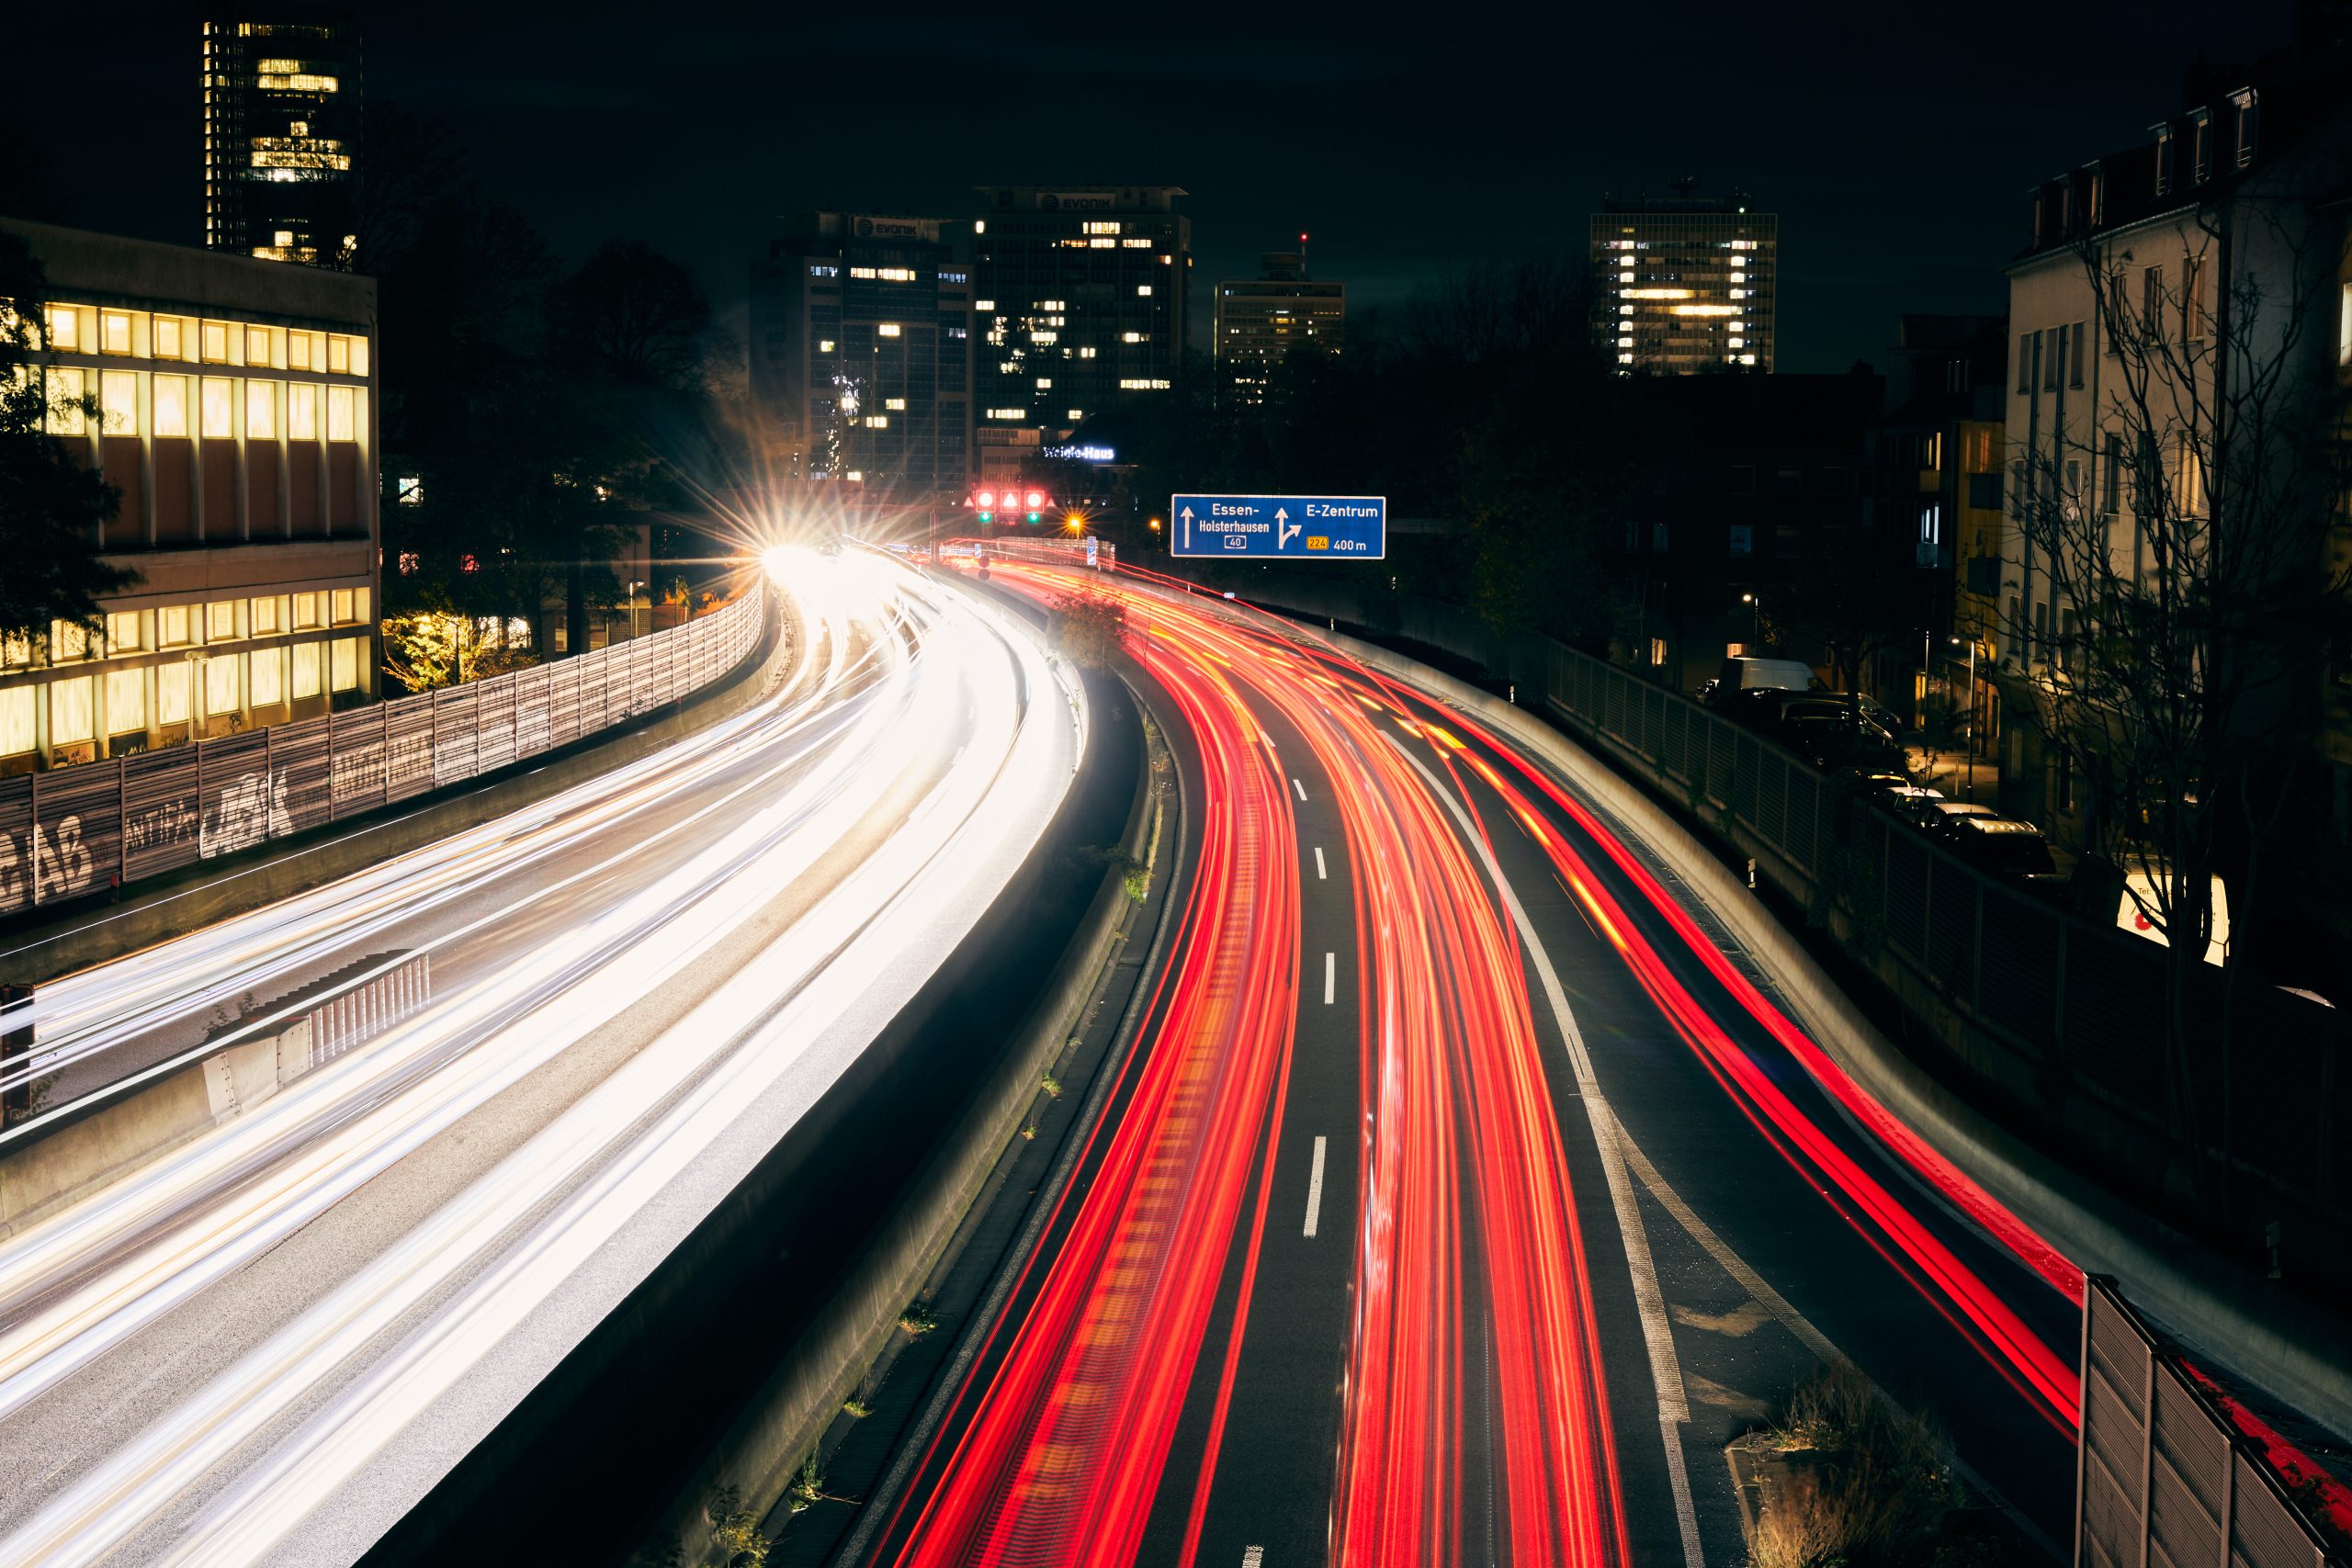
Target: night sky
1896 142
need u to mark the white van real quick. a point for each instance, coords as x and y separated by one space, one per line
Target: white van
1749 674
2143 884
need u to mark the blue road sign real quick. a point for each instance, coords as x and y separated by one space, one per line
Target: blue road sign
1310 527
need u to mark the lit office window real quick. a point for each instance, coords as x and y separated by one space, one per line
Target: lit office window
306 669
221 681
126 700
172 627
67 388
118 402
170 339
217 407
268 615
257 346
887 328
70 716
340 606
221 621
68 639
268 677
216 343
171 405
173 684
342 417
65 329
343 664
338 355
894 403
261 411
298 351
302 413
114 331
306 611
16 720
123 627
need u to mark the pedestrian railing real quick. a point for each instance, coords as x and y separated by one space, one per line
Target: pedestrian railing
68 834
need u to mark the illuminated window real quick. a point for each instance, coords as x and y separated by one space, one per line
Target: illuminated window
172 688
257 346
216 342
70 718
339 606
894 403
306 669
1008 413
66 389
268 617
169 342
1136 244
887 328
298 351
221 621
114 331
171 626
342 663
294 82
117 402
878 422
216 407
983 304
64 328
1144 290
126 700
221 681
16 720
338 355
302 413
268 677
68 640
1087 353
343 420
1134 337
1103 228
171 405
861 272
1044 382
261 411
824 346
122 631
1145 384
1077 414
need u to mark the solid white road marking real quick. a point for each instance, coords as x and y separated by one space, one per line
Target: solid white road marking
1314 1190
1658 1333
1300 787
1331 977
1322 872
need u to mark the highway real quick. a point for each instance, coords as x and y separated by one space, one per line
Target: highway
1467 1191
268 1343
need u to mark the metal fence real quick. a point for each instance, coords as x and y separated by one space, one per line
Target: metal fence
69 832
2062 1014
2163 1476
1099 553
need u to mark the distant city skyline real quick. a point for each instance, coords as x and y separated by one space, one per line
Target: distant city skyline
1413 155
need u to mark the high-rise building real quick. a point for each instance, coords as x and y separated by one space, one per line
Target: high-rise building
1080 295
862 357
1686 283
1261 321
281 136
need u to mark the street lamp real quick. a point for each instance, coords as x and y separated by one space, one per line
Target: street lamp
632 607
1755 618
1968 790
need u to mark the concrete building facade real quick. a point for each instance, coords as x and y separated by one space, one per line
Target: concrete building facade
237 419
1685 284
1081 302
1261 322
282 123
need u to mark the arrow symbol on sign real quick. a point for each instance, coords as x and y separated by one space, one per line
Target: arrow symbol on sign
1188 527
1283 534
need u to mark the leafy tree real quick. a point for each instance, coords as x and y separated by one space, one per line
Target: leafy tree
1088 627
53 508
431 648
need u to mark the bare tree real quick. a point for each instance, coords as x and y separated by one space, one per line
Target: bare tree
2175 536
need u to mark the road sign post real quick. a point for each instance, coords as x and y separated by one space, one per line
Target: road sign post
1295 527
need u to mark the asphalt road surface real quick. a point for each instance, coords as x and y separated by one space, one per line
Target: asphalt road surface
1467 1191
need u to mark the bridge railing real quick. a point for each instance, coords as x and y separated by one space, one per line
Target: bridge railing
67 833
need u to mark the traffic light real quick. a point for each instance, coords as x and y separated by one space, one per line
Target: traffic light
984 504
1036 500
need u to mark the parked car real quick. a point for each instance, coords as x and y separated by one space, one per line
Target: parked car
1878 712
1909 801
2007 848
1740 675
1938 817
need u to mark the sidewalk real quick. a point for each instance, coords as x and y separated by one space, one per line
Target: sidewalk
1955 775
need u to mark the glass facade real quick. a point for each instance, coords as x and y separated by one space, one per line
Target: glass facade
1685 285
282 138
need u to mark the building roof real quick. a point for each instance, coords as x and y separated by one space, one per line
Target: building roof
111 266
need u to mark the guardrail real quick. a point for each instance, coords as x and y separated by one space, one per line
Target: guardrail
2063 1016
1099 553
67 833
2163 1474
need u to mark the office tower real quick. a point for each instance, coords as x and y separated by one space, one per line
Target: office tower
861 357
282 107
1261 321
1080 303
1685 284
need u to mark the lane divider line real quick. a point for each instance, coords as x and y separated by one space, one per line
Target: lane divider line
1300 787
1658 1333
1322 872
1314 1190
1331 977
